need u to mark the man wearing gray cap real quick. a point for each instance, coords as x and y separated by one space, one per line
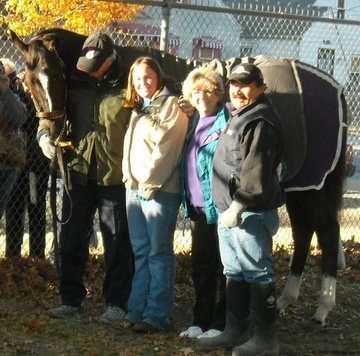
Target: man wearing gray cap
97 124
247 193
97 50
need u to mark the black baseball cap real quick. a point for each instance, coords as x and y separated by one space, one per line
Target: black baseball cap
245 73
96 49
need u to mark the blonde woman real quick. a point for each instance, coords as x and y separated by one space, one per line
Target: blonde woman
152 152
204 89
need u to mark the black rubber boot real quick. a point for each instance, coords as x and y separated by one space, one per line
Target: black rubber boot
237 318
264 342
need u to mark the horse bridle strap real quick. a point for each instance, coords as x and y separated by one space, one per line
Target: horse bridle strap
57 114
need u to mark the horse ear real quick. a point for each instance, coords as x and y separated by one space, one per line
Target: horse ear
18 43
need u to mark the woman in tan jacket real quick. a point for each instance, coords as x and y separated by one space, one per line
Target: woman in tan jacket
152 151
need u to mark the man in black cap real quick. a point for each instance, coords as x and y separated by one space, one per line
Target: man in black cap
98 50
247 193
97 125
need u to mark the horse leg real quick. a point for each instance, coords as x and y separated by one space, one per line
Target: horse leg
326 300
302 231
341 262
328 233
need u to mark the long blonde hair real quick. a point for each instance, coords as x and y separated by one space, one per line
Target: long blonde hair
132 98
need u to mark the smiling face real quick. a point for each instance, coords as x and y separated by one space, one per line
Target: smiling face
145 81
242 95
204 100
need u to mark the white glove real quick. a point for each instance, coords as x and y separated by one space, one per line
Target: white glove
47 147
232 216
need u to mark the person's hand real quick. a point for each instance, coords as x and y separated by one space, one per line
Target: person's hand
186 107
47 147
145 194
20 82
232 216
4 84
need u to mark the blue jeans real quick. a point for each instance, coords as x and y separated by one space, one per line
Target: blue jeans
7 180
151 226
246 249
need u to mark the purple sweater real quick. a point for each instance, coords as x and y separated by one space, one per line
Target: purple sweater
193 187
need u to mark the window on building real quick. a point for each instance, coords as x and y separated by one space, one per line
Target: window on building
354 82
206 54
207 48
326 60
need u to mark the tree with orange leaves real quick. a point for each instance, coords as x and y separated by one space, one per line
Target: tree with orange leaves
28 16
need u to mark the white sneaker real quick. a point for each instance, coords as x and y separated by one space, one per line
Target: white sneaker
192 332
209 333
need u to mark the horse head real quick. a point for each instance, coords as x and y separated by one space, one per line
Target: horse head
45 77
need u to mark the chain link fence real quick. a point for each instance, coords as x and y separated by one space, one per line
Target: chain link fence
320 33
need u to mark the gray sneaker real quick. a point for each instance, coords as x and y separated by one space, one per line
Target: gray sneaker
65 311
112 314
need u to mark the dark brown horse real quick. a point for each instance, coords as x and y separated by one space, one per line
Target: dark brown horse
309 101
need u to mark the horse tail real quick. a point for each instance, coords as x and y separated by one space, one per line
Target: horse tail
334 184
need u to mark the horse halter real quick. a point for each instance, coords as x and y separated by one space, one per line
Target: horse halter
54 115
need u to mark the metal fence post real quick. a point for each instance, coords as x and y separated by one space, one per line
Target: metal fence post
164 39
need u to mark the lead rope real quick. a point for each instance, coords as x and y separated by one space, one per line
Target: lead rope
58 162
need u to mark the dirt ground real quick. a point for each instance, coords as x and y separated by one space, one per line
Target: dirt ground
29 288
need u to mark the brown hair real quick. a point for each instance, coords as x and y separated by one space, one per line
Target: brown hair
132 98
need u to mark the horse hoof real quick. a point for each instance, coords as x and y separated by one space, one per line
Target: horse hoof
314 325
317 322
282 304
281 312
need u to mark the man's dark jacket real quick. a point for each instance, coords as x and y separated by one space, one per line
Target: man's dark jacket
247 157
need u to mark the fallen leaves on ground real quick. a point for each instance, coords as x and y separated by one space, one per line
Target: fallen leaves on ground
30 287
